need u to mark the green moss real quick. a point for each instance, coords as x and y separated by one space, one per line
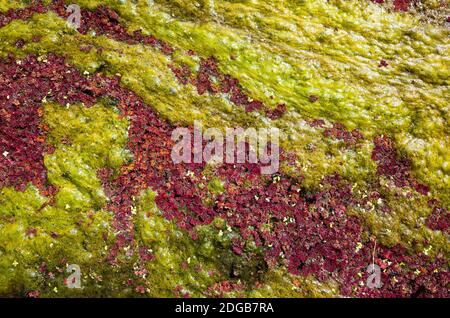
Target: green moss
215 186
70 230
61 238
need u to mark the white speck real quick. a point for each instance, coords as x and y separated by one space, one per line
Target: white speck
5 154
190 174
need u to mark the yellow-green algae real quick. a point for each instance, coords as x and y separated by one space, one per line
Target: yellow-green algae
11 4
287 50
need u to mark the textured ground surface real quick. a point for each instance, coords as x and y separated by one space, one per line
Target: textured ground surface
358 89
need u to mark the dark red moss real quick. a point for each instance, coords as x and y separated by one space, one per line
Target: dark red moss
313 98
105 21
310 232
209 79
394 166
439 219
399 5
36 6
383 63
338 131
20 43
34 294
22 136
183 73
222 288
277 112
402 5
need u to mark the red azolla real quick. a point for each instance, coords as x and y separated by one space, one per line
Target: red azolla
402 5
390 164
316 123
383 63
23 14
439 219
210 79
103 20
313 98
140 289
145 254
338 131
31 232
182 73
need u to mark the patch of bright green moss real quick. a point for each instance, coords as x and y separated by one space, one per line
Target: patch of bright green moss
69 230
86 139
12 4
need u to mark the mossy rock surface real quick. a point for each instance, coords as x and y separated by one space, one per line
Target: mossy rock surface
350 76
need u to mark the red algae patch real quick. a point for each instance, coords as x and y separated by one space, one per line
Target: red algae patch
209 79
394 166
23 14
105 21
439 218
